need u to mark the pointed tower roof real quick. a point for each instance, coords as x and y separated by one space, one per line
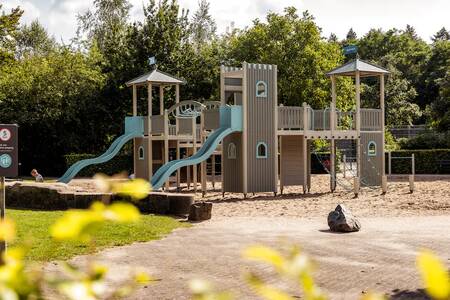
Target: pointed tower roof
155 77
365 69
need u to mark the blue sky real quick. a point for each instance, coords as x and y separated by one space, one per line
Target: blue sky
427 16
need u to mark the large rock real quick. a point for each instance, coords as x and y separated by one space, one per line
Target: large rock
200 211
342 220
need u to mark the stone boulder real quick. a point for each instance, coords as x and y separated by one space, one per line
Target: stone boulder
200 211
342 220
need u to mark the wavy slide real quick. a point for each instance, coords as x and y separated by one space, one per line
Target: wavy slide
211 143
109 154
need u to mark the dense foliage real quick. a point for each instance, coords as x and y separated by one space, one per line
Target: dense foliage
433 161
72 98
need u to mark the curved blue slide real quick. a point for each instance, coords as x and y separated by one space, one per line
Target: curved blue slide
134 127
230 121
203 153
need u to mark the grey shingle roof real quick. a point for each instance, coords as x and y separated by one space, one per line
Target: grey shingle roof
365 69
155 77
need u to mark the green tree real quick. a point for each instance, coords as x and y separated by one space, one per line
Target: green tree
9 24
406 56
351 36
53 100
303 57
442 35
203 26
33 39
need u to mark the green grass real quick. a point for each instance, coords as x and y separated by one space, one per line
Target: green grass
33 229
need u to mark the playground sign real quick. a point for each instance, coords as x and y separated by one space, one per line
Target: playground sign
350 49
8 150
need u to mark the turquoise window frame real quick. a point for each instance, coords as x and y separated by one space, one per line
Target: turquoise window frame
257 148
141 150
369 153
265 89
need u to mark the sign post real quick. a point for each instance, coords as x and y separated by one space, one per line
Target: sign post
9 164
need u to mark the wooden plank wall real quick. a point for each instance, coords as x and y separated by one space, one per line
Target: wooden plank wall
261 127
291 160
232 168
371 169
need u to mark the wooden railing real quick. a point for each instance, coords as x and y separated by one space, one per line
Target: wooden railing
370 119
211 118
290 117
157 123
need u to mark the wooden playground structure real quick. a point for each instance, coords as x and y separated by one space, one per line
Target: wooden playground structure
272 150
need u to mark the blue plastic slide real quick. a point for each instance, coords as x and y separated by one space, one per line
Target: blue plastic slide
134 127
230 121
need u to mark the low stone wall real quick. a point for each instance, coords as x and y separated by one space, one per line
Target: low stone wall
61 197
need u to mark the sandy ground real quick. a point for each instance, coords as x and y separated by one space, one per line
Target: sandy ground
381 257
430 197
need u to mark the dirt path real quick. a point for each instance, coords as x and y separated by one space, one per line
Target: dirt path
380 258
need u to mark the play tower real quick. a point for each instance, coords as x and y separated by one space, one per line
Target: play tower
263 146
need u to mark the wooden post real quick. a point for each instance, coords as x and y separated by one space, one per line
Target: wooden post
384 184
356 186
134 100
149 129
305 145
203 163
188 172
275 129
194 150
222 102
383 158
244 130
177 100
332 129
389 162
308 159
413 172
166 143
344 159
213 171
2 214
358 126
161 99
134 140
280 142
332 165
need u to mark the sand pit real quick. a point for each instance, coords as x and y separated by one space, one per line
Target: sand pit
429 198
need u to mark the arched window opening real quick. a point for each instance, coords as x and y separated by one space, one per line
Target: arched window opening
261 89
372 149
261 150
141 153
231 151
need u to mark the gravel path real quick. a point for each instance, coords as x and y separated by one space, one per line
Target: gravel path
379 258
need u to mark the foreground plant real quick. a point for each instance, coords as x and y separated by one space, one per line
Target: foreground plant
19 280
434 275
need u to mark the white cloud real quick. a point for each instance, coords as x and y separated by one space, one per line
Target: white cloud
337 16
31 12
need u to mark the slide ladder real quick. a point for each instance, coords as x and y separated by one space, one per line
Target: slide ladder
230 121
134 127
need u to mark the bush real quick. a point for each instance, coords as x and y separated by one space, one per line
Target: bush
120 163
426 161
429 140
